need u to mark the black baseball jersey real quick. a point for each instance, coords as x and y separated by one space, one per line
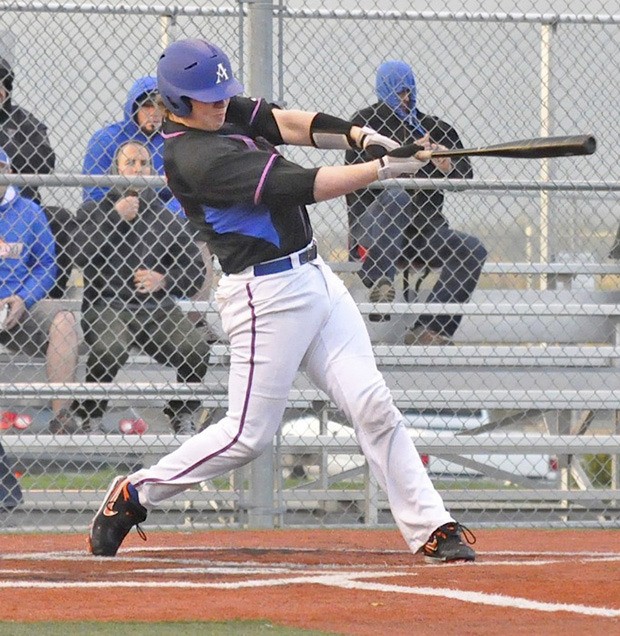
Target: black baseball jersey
246 200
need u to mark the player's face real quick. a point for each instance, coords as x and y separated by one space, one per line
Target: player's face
134 160
211 115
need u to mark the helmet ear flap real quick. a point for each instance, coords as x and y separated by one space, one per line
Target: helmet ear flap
187 106
181 106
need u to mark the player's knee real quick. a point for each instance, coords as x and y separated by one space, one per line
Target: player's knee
374 412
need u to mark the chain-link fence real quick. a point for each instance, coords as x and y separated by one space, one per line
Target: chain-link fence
491 297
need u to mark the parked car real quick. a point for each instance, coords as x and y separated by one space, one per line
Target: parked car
533 466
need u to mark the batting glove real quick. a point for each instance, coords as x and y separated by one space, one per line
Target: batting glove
374 144
401 161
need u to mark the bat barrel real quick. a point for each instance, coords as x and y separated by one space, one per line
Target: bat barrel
536 148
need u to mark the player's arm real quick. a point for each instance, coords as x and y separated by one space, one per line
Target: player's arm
303 128
288 183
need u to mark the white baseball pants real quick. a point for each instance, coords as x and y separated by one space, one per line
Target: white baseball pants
303 318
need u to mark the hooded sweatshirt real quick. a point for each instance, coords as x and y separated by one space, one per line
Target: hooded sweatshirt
394 77
23 137
103 144
27 253
388 118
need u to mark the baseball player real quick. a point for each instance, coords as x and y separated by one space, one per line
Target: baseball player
281 306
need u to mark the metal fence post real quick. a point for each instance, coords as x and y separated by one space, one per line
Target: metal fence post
546 32
260 14
261 508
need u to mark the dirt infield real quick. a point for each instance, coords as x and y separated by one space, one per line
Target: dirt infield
342 581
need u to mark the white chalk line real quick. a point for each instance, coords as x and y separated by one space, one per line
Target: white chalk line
479 598
340 576
345 581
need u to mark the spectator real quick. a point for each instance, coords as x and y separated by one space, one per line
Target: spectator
399 226
27 275
136 256
141 122
23 136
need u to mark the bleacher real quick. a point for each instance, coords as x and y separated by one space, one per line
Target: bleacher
555 348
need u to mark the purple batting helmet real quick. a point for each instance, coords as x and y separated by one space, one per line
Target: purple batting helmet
194 69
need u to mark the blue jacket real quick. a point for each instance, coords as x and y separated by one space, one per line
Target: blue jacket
29 271
103 144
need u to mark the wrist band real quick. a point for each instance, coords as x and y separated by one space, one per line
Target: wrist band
330 132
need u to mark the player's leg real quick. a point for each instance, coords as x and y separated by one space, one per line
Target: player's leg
270 322
341 362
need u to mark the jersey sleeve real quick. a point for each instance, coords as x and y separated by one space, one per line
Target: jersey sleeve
232 174
257 116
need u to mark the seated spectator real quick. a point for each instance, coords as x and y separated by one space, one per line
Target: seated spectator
32 325
394 227
136 257
141 122
23 136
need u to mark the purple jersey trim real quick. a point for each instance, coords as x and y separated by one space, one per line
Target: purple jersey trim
255 111
259 188
248 141
248 393
171 135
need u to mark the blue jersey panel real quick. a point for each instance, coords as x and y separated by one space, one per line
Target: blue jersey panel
246 219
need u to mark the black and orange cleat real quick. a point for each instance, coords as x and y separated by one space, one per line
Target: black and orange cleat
446 544
118 514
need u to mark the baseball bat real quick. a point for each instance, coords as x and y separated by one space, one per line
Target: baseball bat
536 148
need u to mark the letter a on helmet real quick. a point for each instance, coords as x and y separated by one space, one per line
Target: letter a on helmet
194 69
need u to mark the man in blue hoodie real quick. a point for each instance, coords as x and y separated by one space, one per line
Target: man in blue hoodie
394 227
141 122
27 274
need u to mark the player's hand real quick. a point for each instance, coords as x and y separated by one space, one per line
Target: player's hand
128 207
374 144
148 281
17 308
403 160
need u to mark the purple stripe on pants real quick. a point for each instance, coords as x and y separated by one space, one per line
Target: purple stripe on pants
248 393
